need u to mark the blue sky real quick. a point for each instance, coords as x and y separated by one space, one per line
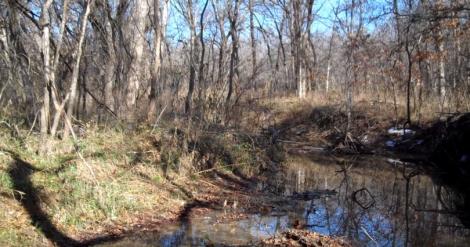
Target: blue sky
324 17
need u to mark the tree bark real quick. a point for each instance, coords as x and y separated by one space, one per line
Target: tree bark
192 59
135 74
110 67
200 80
296 33
59 107
44 21
76 67
159 22
220 18
233 73
442 72
253 43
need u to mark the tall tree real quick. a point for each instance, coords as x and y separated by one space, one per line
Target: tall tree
140 15
193 48
233 69
76 68
44 22
253 42
159 23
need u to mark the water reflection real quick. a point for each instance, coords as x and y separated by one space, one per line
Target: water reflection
406 206
376 204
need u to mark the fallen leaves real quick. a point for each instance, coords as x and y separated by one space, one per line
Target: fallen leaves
304 238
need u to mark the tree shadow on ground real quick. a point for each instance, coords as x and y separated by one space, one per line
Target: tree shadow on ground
20 173
30 199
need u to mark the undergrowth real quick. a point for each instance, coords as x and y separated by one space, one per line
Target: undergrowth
112 175
108 177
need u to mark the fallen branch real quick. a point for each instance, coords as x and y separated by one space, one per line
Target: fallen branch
208 170
369 236
34 123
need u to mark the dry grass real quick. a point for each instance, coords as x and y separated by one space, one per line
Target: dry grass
320 121
424 113
122 176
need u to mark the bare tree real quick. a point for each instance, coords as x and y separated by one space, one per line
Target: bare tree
159 24
140 15
328 62
193 43
44 21
415 54
110 69
296 33
202 84
253 42
76 67
234 73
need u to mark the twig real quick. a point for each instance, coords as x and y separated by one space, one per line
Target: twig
106 107
211 184
207 170
34 123
69 125
369 236
294 142
158 119
87 165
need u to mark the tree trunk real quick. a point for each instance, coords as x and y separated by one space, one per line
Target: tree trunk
110 68
159 22
200 80
45 47
59 107
76 68
138 41
253 43
192 59
310 66
296 33
220 18
233 73
442 72
330 45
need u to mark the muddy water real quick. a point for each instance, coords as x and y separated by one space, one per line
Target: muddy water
370 201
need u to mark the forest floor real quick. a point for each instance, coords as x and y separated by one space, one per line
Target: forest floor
115 182
125 183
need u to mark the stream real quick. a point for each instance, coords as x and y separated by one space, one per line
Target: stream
369 200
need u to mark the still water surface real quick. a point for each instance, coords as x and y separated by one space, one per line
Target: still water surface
371 201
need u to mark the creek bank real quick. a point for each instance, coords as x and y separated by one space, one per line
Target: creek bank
439 146
373 130
149 181
124 183
327 196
